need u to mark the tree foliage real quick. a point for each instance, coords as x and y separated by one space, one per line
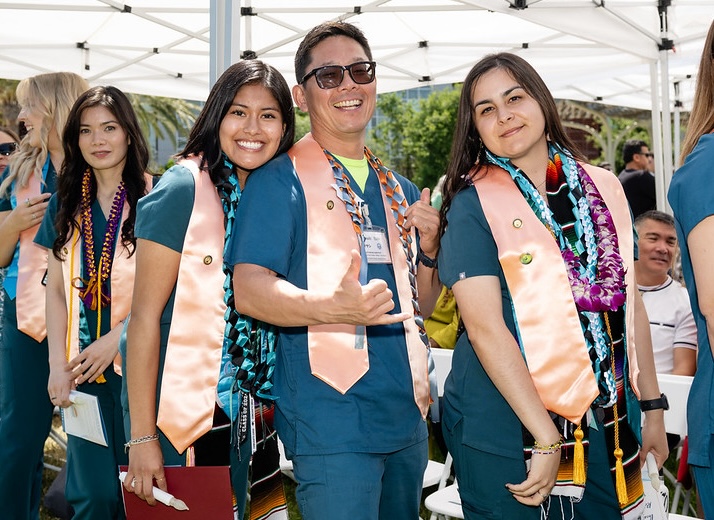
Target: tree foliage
416 140
166 118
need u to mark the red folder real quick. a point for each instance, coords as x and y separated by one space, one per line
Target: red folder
206 490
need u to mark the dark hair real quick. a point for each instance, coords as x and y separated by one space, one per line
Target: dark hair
69 183
657 216
631 147
321 32
467 149
204 136
12 133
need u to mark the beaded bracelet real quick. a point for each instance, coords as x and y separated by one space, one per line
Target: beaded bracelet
141 440
540 449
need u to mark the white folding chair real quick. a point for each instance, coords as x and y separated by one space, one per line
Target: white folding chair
445 501
675 421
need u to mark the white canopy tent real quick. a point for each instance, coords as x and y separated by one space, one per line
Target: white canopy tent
620 52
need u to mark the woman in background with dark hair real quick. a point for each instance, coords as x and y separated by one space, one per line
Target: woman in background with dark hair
177 339
537 247
9 143
25 408
692 200
89 228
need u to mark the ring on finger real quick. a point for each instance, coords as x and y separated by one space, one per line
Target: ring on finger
541 494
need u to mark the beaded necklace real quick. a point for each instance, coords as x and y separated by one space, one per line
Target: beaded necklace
93 289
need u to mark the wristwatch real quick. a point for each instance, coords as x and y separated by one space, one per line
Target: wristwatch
655 404
425 260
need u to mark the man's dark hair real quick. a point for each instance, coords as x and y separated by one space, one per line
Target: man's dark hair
657 216
631 147
321 32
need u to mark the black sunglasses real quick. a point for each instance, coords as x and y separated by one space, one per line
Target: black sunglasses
647 154
7 148
331 76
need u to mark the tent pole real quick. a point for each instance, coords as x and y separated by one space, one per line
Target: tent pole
666 44
677 130
656 133
225 46
666 177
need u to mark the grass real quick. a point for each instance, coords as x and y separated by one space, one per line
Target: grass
55 455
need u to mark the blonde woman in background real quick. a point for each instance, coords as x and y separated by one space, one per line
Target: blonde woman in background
25 407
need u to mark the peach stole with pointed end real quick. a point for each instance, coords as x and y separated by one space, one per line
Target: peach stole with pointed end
550 331
193 352
330 240
31 269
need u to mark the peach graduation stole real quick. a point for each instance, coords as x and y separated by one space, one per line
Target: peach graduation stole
193 353
537 279
122 284
31 269
330 239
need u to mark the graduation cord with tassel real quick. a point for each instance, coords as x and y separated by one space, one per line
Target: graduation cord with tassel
93 290
620 482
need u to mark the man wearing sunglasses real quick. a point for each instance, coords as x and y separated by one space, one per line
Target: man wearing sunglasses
326 248
637 178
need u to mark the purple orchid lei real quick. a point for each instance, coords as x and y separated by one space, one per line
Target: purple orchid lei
606 292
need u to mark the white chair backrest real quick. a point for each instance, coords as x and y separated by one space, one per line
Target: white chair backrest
677 390
442 362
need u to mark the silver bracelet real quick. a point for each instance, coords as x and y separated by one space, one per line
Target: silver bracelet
141 440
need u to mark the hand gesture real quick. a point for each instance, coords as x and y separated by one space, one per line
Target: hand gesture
422 216
359 304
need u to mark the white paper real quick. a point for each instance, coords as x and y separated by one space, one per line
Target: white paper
84 419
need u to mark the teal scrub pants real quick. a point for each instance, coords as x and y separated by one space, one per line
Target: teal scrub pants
482 477
361 486
93 487
25 418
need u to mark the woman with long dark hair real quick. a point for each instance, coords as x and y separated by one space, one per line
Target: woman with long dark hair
89 228
28 182
537 247
177 339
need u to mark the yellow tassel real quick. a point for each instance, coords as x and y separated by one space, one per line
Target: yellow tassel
620 484
579 458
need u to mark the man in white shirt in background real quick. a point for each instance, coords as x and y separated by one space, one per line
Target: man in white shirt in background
674 333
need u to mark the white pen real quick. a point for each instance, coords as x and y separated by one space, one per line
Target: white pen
162 496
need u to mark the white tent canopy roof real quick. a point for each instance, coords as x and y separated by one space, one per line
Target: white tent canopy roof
591 50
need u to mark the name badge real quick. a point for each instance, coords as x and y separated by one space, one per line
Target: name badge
376 246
